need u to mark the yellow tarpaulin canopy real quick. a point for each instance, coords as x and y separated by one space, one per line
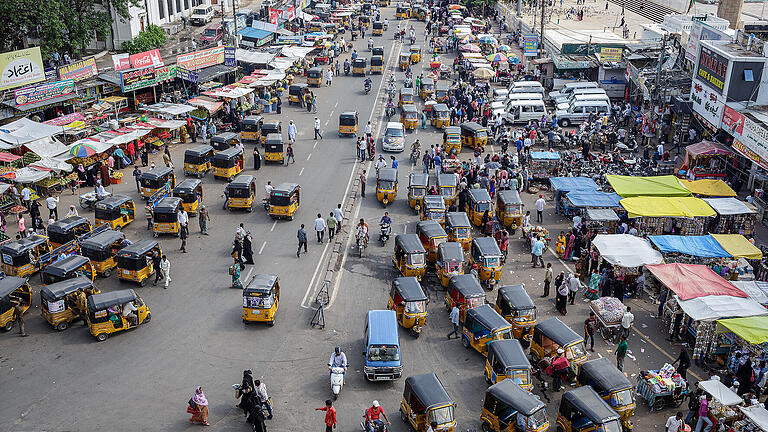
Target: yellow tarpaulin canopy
738 246
709 187
753 330
666 207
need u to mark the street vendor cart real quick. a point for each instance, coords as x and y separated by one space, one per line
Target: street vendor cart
530 232
543 165
723 406
706 160
608 311
664 387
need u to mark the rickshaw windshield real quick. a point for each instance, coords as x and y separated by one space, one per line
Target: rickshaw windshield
188 197
441 415
240 192
537 419
106 214
522 315
512 209
383 353
416 259
417 192
524 375
622 398
461 232
436 215
347 121
475 301
386 184
491 262
575 351
452 266
153 183
436 241
504 334
416 306
482 206
481 134
446 191
261 301
611 426
279 200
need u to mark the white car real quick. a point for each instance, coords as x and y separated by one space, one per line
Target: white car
201 15
394 137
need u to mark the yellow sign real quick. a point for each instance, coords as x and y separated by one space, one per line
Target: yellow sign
610 54
22 67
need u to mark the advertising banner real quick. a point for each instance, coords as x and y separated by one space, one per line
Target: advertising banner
274 15
137 79
707 103
79 71
201 59
701 31
43 92
712 69
165 73
229 56
610 54
530 45
751 135
186 74
121 61
21 67
147 58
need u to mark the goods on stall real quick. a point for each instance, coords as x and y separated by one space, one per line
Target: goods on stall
663 387
534 231
116 177
610 309
743 224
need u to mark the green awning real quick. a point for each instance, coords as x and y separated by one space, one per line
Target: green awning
753 330
660 186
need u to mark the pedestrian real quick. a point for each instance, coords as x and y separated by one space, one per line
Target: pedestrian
684 362
621 352
330 415
291 132
547 279
289 154
137 177
540 209
331 223
589 331
314 105
573 286
248 248
368 130
279 105
537 249
234 271
454 317
561 299
320 227
675 423
317 129
156 258
694 398
203 218
183 234
560 366
198 407
165 268
362 184
329 77
18 317
302 236
626 321
21 226
261 393
361 148
704 415
256 158
148 215
339 215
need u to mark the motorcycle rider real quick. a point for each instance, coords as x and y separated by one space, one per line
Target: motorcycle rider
386 23
346 66
338 359
380 163
385 220
373 414
370 44
368 84
354 54
361 231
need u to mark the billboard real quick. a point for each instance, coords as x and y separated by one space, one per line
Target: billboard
147 58
21 67
137 79
121 61
43 92
706 103
201 59
712 69
750 137
701 31
79 71
530 45
608 54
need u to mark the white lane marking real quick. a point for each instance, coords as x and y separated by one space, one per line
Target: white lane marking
301 172
248 275
261 249
273 225
315 145
309 156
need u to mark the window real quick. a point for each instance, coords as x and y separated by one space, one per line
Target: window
170 8
178 5
161 9
186 4
748 75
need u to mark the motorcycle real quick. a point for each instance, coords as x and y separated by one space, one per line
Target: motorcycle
346 68
361 245
378 425
390 111
385 232
415 153
265 203
337 380
408 83
367 87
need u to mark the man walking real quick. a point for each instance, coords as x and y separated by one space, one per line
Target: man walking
165 267
317 129
330 415
320 227
51 203
675 423
621 352
573 286
547 280
704 415
362 184
328 77
540 209
589 331
137 177
339 215
626 322
203 218
289 155
536 252
454 317
331 223
302 236
291 132
148 215
18 317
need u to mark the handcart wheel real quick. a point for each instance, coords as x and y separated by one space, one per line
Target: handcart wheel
658 404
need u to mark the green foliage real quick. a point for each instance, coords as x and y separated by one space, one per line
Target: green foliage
151 38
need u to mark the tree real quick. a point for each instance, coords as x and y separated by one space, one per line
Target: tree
152 37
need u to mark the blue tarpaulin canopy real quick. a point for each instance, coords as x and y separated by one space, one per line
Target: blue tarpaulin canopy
545 155
572 184
583 198
701 246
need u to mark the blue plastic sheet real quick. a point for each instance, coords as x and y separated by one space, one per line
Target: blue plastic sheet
701 246
571 184
582 198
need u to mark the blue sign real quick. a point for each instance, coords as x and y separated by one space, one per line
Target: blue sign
530 45
229 56
186 74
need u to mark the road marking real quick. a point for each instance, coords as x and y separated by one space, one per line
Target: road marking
309 156
273 225
261 249
301 172
315 145
248 276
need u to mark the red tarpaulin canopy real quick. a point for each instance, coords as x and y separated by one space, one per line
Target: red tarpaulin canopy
708 148
691 281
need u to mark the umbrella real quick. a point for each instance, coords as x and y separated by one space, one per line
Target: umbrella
504 48
497 57
493 165
488 39
454 7
483 73
470 48
82 150
468 38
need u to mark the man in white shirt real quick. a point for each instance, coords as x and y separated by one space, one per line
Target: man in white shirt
51 203
381 163
626 321
368 130
268 189
292 131
540 209
261 393
317 129
26 196
660 149
129 312
675 423
339 216
320 227
454 317
183 217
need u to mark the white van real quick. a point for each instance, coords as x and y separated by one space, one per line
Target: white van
579 91
526 87
579 112
523 111
582 97
201 15
570 87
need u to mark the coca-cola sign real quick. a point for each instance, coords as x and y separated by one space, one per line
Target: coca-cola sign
147 58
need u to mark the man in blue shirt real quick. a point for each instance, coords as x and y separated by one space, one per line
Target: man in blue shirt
537 249
394 162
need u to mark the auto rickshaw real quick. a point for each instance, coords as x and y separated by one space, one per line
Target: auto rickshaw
378 28
516 306
509 209
507 360
12 290
473 135
359 65
442 92
134 262
409 302
612 385
250 129
240 193
67 229
261 299
425 401
507 405
409 117
406 97
105 313
403 12
165 216
284 201
431 234
426 88
102 249
485 254
459 229
197 160
447 187
225 140
315 76
415 54
452 139
228 163
348 123
155 179
404 60
409 256
478 202
378 51
386 185
20 257
58 301
417 190
550 335
117 211
440 116
483 324
365 21
450 262
383 3
377 64
67 268
464 292
582 410
191 193
295 96
433 209
273 148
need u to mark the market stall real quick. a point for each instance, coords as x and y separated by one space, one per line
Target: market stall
706 160
543 165
657 215
708 188
608 312
577 202
723 408
602 220
564 185
624 253
733 216
662 388
756 290
656 186
689 249
746 335
755 419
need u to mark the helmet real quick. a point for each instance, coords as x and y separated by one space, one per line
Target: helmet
337 350
376 403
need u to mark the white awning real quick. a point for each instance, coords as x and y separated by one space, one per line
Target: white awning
282 63
626 250
231 92
714 307
729 206
24 130
255 57
758 415
30 175
55 164
720 392
168 108
47 147
296 51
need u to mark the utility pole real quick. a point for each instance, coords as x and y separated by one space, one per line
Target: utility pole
541 40
658 67
234 21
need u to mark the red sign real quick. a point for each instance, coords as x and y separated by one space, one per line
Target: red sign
274 15
733 121
147 58
121 61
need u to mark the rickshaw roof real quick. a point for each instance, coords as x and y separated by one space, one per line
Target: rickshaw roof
510 353
378 22
317 69
472 126
409 288
168 205
188 185
586 400
348 114
112 202
199 150
457 219
273 138
10 284
252 119
285 188
261 283
382 329
242 181
18 247
447 180
509 196
64 265
428 389
487 245
156 173
434 201
225 136
468 285
406 90
440 107
415 48
405 54
479 195
488 317
442 86
452 130
104 300
388 174
557 331
450 251
510 393
409 108
64 288
605 375
431 228
359 60
427 81
102 239
516 296
271 125
66 224
410 243
137 249
418 179
377 59
298 86
228 153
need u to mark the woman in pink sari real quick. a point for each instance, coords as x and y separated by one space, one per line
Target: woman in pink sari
198 407
569 248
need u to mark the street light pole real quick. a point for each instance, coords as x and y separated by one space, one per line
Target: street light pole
541 40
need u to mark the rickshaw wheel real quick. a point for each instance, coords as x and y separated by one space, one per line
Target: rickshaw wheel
144 282
402 416
62 326
107 273
250 209
101 337
8 326
271 323
465 342
119 228
147 319
154 234
486 427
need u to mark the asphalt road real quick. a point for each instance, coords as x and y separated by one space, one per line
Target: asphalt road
141 379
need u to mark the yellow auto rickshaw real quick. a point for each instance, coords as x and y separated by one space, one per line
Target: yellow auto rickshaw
450 262
551 335
225 140
191 193
273 148
409 302
348 123
431 234
425 401
507 406
507 360
452 139
473 135
267 128
240 193
228 163
295 95
406 97
377 64
426 88
478 203
415 52
612 385
417 190
315 26
250 132
409 256
386 185
65 230
464 292
21 257
165 216
59 301
13 290
481 325
197 160
516 306
442 92
583 410
67 268
378 51
106 313
261 299
404 60
134 262
433 209
441 116
359 66
485 253
102 249
403 11
155 179
447 186
409 117
315 76
378 28
364 20
117 211
509 209
459 229
284 201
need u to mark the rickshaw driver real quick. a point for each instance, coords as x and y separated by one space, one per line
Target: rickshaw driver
361 231
338 359
386 23
81 304
416 147
372 416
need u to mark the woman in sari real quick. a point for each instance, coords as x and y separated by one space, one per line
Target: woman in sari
198 407
235 271
560 245
569 247
594 286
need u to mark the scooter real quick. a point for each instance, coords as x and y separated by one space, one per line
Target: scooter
265 203
386 230
378 425
337 380
367 88
346 68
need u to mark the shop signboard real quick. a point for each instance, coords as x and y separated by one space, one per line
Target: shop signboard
751 135
165 73
44 92
701 31
229 56
137 79
706 103
530 45
79 71
201 59
712 69
21 67
609 54
186 74
147 58
121 61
